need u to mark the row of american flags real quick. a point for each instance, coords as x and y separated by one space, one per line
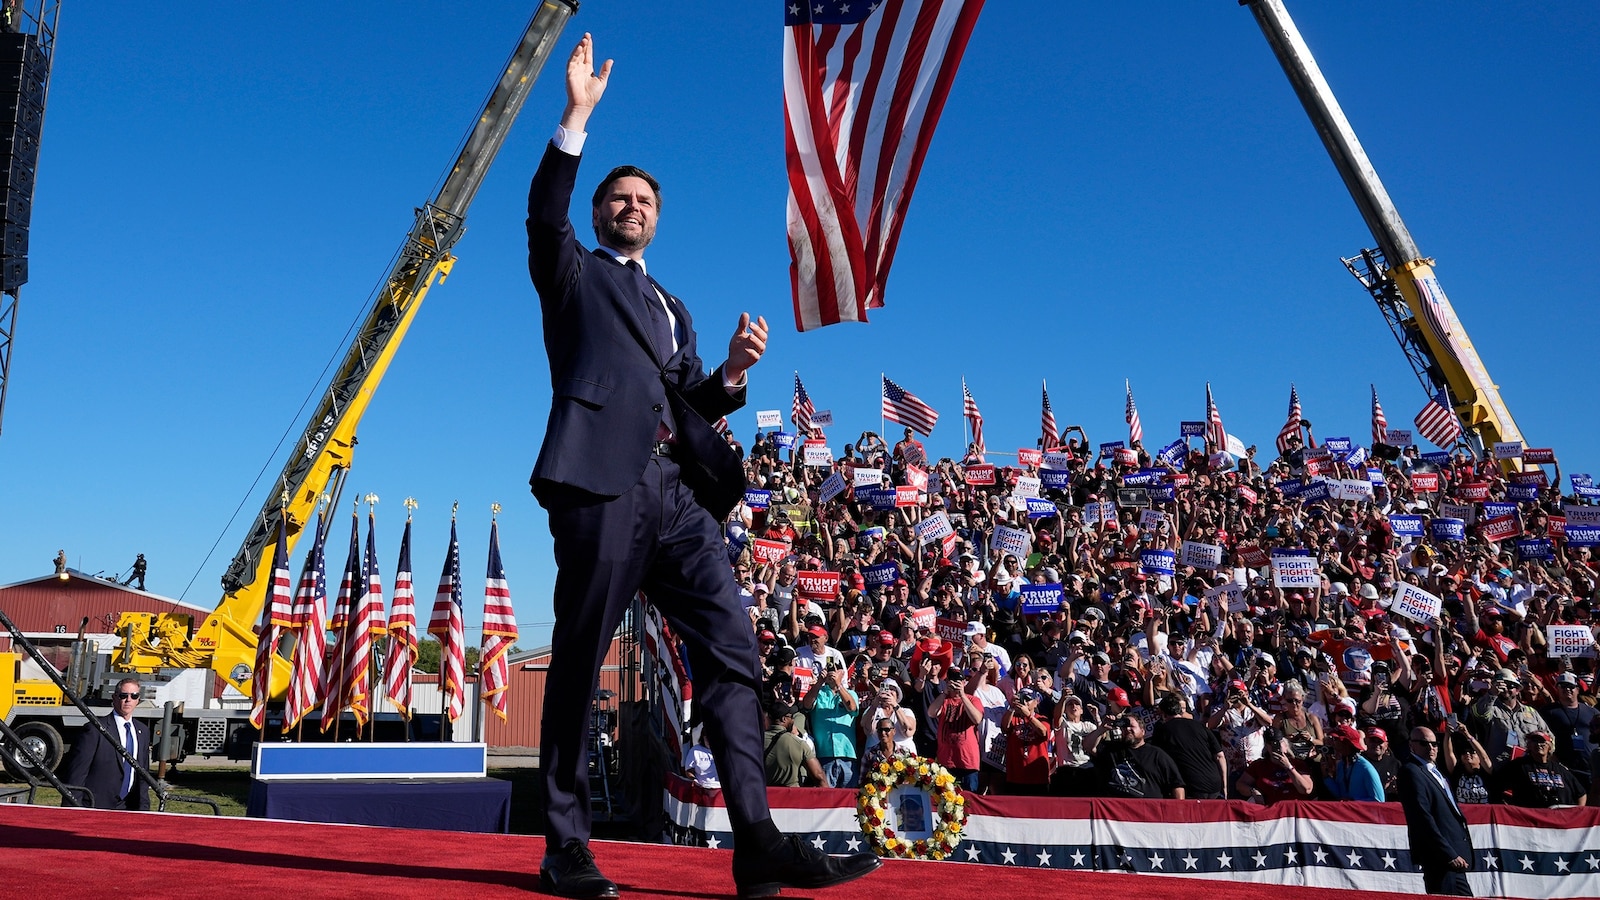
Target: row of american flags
333 667
1436 421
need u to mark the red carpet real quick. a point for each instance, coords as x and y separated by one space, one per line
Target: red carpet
69 853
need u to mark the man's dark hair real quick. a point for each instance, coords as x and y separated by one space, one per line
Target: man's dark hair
626 172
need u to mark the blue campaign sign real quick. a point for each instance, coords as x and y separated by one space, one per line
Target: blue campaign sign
1522 493
1110 447
1053 480
1356 457
877 498
881 574
1040 598
782 440
1192 429
876 532
1448 529
1339 444
1376 477
1494 510
756 499
1290 488
1143 476
1316 490
1039 508
1583 535
1158 562
1437 457
1173 454
1535 548
1581 480
1161 493
1406 526
1589 491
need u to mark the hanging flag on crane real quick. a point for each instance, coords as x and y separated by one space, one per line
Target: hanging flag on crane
863 87
306 689
402 654
278 615
499 629
446 624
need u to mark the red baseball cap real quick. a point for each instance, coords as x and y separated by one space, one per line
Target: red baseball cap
1347 733
1378 733
1118 695
819 631
886 638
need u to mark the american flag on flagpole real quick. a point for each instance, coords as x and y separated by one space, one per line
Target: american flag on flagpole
346 626
969 409
1291 425
446 624
863 86
802 411
900 405
1215 433
1131 415
310 646
1050 438
499 630
402 629
1380 422
1437 421
278 615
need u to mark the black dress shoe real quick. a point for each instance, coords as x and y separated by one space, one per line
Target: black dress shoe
570 872
794 863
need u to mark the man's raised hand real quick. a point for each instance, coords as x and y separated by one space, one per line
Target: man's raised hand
584 87
745 348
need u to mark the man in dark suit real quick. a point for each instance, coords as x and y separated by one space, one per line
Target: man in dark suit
95 764
1440 842
636 484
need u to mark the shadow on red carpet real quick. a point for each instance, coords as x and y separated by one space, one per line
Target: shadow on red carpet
67 853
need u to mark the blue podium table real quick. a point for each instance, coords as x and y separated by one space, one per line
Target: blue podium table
469 804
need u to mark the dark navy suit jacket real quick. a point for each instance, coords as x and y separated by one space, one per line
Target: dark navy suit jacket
97 765
609 381
1437 830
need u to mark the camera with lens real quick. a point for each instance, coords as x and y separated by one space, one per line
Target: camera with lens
1117 730
831 666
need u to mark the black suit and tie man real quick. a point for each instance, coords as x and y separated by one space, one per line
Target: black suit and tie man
95 764
636 484
1440 842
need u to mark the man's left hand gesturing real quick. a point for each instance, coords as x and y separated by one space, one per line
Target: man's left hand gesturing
749 341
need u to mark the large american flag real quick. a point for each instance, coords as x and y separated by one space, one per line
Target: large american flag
310 646
1215 433
1291 425
969 409
402 629
499 630
1049 437
1131 415
900 405
802 410
347 629
864 82
278 615
1437 421
1380 422
446 625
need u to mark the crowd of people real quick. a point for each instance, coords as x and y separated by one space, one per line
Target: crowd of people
1146 677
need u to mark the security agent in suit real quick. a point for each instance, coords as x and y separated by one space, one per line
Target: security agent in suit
95 764
636 483
1440 842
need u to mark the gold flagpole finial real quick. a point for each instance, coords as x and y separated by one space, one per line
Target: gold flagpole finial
494 508
453 507
410 504
371 501
283 500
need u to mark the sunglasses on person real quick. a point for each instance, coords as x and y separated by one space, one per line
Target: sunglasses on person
124 695
1424 743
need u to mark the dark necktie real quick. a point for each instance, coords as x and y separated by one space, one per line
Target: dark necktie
660 327
127 770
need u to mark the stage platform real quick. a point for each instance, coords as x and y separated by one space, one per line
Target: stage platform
71 853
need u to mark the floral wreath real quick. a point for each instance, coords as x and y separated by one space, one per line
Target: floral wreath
949 807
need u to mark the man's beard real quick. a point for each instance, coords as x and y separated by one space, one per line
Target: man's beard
612 235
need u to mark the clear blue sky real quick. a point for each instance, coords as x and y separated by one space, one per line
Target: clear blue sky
1116 191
